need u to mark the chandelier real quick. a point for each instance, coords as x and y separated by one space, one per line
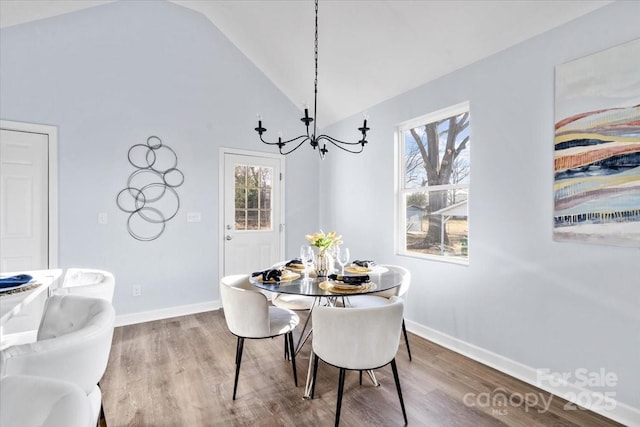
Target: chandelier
316 141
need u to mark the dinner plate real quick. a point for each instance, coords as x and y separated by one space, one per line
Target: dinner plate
295 267
356 269
287 277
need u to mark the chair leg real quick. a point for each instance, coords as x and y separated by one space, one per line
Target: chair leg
406 339
340 391
289 337
286 348
315 373
360 376
238 361
397 378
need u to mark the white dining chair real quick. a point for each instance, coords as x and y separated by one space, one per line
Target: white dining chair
357 339
28 401
382 298
73 344
249 315
87 282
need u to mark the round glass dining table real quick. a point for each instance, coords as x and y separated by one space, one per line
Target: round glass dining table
381 279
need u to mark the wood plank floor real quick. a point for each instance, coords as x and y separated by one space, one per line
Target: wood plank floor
179 372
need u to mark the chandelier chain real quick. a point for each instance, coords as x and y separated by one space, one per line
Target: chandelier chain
315 83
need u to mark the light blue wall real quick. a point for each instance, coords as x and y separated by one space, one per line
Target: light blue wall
544 304
113 75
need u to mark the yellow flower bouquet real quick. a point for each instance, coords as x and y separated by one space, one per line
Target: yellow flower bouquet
324 241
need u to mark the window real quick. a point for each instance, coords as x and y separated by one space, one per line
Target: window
253 197
434 165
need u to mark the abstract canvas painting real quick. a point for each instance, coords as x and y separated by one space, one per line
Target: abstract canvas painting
597 148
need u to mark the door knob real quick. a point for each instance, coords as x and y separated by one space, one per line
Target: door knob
229 237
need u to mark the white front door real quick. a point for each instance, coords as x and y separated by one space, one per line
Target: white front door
253 230
28 214
24 201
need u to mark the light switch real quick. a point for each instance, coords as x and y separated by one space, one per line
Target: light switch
103 218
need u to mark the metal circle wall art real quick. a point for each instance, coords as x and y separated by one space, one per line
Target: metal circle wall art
150 197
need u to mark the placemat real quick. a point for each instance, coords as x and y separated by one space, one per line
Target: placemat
25 288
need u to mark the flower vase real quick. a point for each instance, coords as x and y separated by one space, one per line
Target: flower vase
323 263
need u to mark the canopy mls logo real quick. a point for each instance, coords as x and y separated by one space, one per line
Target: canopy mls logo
500 400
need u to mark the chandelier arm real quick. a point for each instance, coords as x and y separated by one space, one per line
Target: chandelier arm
305 139
283 142
337 141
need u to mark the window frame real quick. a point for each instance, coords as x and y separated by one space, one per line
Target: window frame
402 192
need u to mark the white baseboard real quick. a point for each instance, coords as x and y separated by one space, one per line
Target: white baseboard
166 313
614 410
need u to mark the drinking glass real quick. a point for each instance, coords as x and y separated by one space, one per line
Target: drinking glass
306 257
342 256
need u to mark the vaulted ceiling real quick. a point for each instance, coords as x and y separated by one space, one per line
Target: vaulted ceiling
369 51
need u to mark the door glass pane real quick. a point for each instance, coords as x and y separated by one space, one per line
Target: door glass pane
253 197
241 219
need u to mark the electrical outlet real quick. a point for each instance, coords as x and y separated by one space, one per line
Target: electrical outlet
137 290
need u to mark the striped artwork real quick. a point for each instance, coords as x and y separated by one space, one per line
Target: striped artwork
597 148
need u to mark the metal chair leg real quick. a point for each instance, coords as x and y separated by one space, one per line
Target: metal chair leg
238 360
286 348
340 391
406 339
289 338
315 373
397 378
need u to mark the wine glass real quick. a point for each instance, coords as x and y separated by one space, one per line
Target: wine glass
306 257
342 256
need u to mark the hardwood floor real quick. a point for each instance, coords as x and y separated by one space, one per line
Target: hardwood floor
179 372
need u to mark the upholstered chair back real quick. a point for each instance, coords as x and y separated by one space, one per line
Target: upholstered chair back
245 309
28 401
74 342
358 338
88 282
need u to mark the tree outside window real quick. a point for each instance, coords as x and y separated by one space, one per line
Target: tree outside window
435 174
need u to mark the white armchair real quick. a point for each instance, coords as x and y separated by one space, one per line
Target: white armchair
248 315
28 401
73 344
87 282
382 298
357 339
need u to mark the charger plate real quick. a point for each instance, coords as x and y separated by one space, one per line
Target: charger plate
343 288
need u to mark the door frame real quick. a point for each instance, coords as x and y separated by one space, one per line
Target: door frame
227 150
52 137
